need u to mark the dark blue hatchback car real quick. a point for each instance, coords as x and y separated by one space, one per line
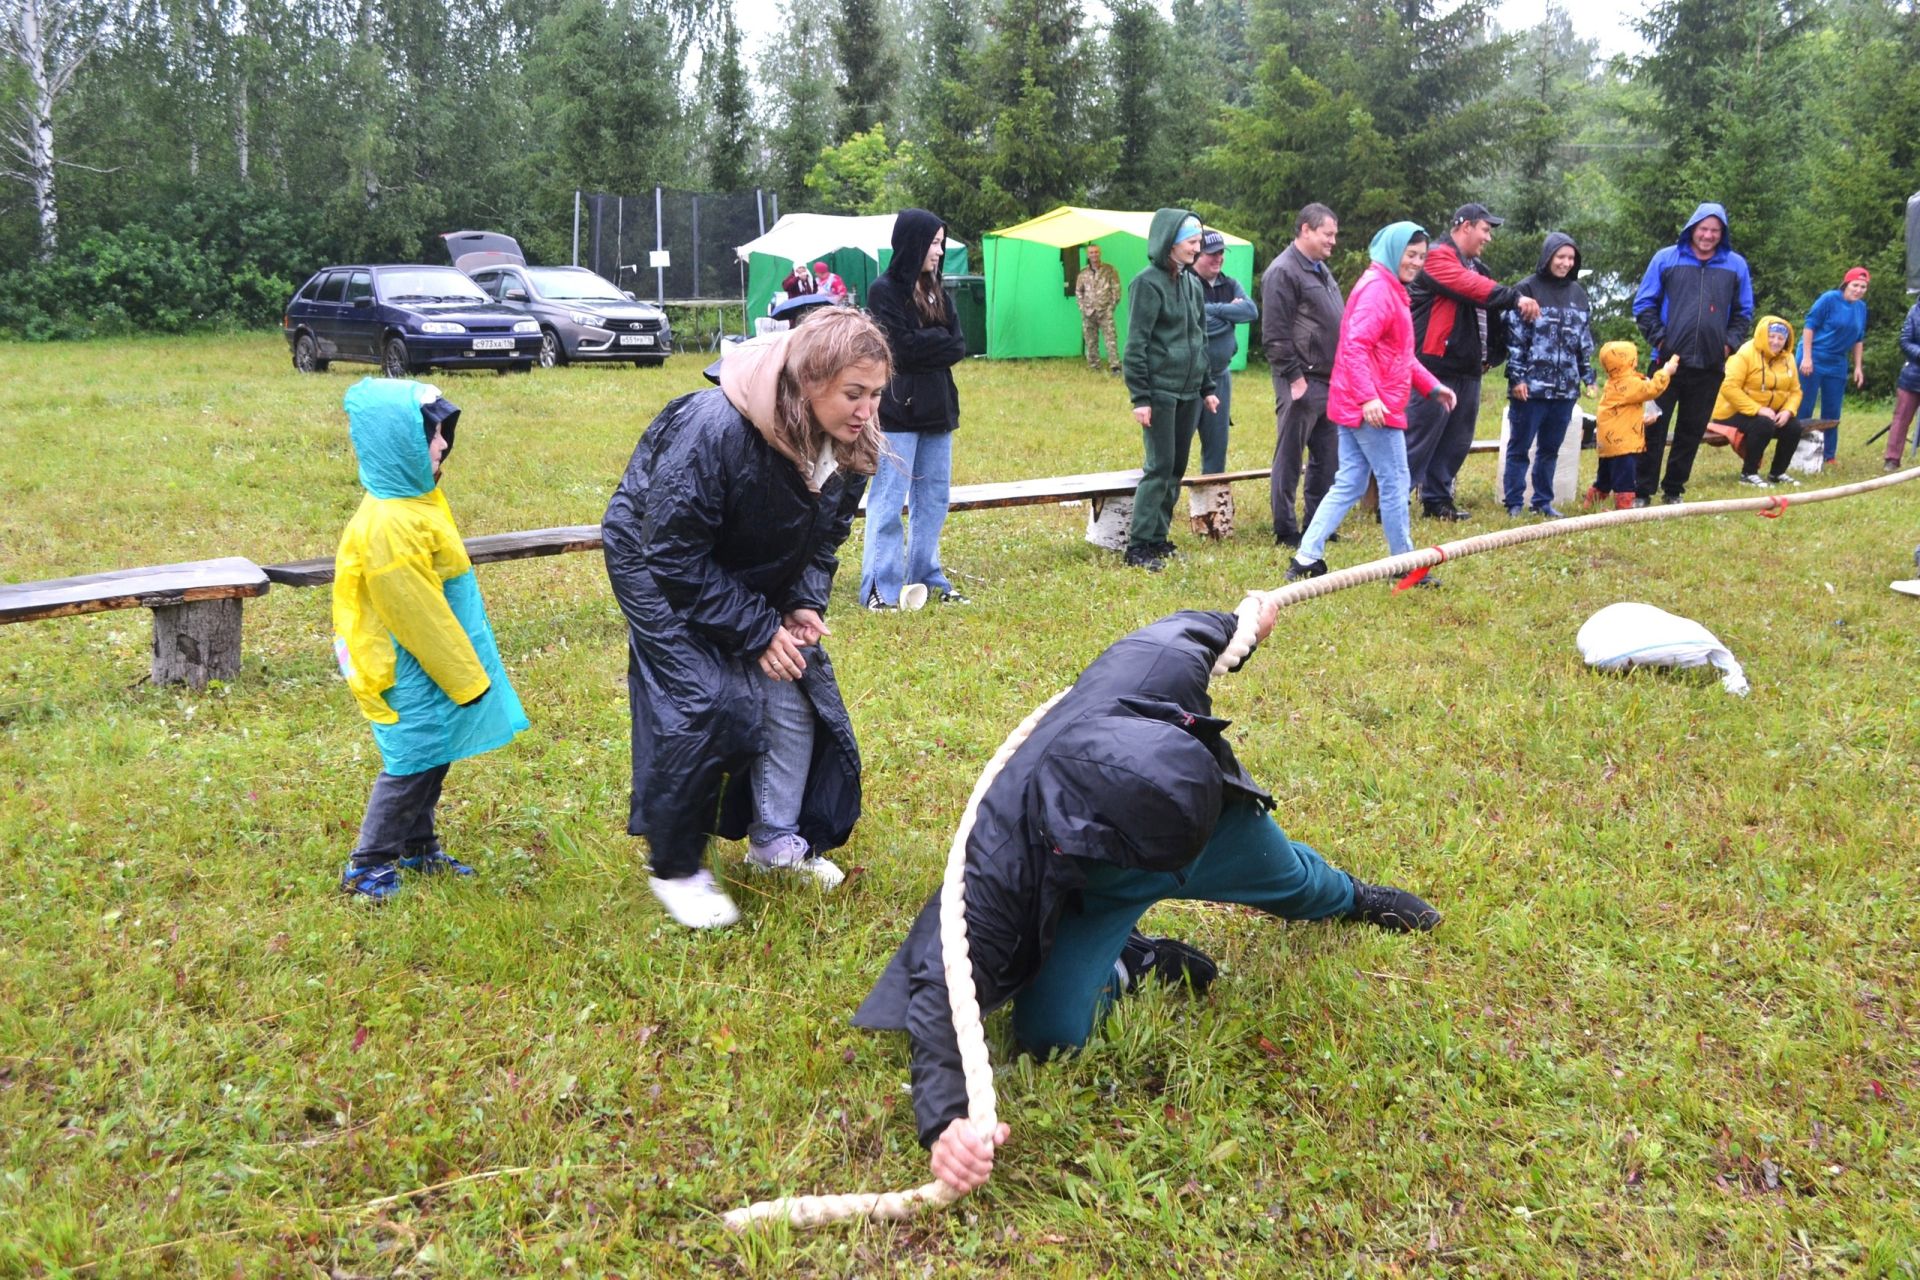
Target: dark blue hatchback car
405 319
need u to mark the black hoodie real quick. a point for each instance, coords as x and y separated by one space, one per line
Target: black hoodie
1554 354
921 396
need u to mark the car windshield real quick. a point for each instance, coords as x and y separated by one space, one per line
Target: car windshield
428 284
566 284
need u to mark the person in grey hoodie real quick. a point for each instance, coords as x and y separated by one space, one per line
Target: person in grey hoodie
1228 307
1549 360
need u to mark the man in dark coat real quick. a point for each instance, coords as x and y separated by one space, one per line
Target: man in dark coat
1125 794
1300 309
1458 335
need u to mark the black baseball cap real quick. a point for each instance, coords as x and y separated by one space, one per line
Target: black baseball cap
1212 242
1475 213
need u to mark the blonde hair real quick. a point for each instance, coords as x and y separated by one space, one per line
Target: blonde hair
823 346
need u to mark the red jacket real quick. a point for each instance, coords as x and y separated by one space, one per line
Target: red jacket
1449 300
1375 356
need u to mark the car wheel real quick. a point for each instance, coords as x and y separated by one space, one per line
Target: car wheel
393 360
551 352
306 355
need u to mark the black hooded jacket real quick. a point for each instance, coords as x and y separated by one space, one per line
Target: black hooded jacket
921 395
1553 355
1130 768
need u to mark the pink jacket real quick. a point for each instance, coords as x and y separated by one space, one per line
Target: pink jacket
1375 357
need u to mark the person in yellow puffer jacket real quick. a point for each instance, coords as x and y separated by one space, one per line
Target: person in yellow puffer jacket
1760 397
411 632
1620 428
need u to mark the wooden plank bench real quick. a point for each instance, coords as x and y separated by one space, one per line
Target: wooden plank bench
489 548
196 610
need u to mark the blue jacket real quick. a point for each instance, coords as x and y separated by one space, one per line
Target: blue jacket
1228 307
1910 348
1554 354
1699 311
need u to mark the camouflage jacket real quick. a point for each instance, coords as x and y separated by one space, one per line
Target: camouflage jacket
1098 289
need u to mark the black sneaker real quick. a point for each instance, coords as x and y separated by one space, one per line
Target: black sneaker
1671 499
1394 910
875 603
952 596
1168 961
1297 571
1167 551
1140 557
1333 537
1448 512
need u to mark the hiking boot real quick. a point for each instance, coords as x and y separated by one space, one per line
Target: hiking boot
1168 961
1144 557
695 901
1297 571
376 881
434 862
777 853
1394 910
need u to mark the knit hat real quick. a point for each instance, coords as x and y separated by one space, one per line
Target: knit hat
1858 273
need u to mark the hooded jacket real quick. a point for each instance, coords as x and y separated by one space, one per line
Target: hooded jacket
1757 379
1166 347
1620 424
1374 360
1910 348
410 629
711 537
921 395
1552 356
1453 301
1696 310
1130 768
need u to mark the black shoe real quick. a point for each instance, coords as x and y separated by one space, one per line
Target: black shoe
1167 551
1168 961
1394 910
1144 557
1448 512
1671 499
1639 501
1333 537
875 603
1297 571
1293 539
952 596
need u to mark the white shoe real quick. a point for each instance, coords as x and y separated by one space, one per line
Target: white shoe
779 853
822 870
695 901
913 596
1756 481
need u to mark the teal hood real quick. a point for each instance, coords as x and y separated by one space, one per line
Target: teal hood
1390 243
389 437
1161 232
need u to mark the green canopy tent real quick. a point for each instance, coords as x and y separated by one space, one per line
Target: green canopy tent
857 249
1030 271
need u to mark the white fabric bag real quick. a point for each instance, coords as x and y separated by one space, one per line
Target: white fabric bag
1623 636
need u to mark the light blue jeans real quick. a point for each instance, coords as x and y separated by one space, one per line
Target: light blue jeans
1379 452
1829 388
779 773
918 477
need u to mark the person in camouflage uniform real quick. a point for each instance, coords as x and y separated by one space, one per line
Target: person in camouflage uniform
1098 289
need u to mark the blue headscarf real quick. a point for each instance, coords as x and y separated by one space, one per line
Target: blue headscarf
1390 243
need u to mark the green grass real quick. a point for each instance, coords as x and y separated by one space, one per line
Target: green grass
1667 1029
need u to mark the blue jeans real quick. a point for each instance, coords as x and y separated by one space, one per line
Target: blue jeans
399 819
1380 452
1213 426
1829 389
1540 425
1248 860
779 773
918 477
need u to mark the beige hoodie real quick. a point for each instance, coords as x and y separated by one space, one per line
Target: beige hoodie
750 377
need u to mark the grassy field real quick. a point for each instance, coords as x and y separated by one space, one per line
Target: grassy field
1667 1029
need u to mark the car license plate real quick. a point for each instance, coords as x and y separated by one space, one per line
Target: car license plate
636 339
493 344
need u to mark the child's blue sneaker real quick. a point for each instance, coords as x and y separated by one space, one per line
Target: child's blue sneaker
378 881
435 862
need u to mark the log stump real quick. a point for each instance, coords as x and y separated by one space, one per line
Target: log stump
196 642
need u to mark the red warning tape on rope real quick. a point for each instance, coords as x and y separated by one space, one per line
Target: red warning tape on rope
1413 579
1778 509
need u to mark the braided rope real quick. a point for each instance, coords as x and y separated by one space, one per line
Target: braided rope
897 1206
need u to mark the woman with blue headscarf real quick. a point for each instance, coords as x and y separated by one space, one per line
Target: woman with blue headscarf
1373 371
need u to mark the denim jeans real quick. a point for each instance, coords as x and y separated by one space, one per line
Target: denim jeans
779 773
1540 425
919 478
1829 389
399 819
1213 426
1248 860
1380 452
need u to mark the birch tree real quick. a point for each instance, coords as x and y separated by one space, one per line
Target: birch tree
39 36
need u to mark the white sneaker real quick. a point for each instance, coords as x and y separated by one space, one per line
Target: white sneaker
779 853
823 871
695 901
1756 481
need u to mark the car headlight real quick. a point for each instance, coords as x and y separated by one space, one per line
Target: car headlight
586 317
441 326
526 326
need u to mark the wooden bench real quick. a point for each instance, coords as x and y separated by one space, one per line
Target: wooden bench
490 548
196 610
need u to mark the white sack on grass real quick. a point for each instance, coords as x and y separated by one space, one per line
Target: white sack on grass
1623 636
1810 454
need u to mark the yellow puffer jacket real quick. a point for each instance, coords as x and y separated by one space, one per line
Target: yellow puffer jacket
1757 379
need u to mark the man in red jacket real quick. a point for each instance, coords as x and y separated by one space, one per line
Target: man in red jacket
1452 300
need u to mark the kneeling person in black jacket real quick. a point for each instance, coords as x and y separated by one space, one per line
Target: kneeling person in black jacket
1126 794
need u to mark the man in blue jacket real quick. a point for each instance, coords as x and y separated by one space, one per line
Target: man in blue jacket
1228 307
1695 302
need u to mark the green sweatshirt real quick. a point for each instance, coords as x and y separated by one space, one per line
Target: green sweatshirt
1166 323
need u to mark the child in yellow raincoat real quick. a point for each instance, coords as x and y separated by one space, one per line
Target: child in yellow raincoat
1621 423
411 632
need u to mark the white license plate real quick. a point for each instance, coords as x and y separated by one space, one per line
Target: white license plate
636 339
493 344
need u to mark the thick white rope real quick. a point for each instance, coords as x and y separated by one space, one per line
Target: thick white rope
896 1206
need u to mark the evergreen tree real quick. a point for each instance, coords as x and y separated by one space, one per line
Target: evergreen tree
870 66
1137 42
804 93
730 124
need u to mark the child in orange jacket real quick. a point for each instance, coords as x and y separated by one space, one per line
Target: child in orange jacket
1621 423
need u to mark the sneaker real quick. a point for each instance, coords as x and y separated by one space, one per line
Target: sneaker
822 871
1139 557
1333 537
1639 501
435 862
1752 479
1445 513
1167 961
1831 462
377 881
1782 478
1296 570
875 603
1671 499
695 901
950 596
1514 513
1548 512
1167 551
1891 464
1394 910
778 852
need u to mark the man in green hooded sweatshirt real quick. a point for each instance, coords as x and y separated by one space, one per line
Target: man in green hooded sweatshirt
1167 376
